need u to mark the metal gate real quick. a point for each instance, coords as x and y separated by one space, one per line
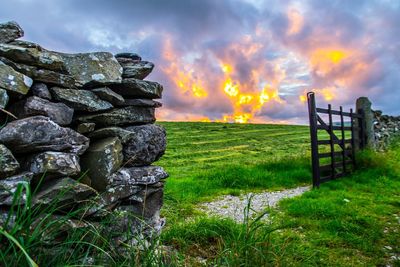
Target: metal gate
338 148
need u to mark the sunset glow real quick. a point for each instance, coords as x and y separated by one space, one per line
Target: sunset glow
244 61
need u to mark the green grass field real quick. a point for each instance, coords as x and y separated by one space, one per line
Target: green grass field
353 221
209 159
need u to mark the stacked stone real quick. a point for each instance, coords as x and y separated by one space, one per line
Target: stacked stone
385 128
81 124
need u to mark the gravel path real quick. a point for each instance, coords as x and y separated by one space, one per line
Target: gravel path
233 207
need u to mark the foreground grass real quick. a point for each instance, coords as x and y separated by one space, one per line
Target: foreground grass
354 221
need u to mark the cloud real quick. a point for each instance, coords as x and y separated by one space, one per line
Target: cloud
236 60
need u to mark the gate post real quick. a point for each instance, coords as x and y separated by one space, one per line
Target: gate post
312 112
363 106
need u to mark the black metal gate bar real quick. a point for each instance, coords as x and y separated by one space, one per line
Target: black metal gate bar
337 168
331 143
343 138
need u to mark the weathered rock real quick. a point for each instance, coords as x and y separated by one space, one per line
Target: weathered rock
122 134
102 159
26 44
138 88
65 191
146 175
3 98
7 220
54 163
141 103
91 69
138 70
116 193
9 185
34 57
85 127
86 69
109 95
41 90
10 31
8 164
120 116
146 146
147 202
128 183
364 104
80 99
133 56
39 133
31 106
13 81
43 75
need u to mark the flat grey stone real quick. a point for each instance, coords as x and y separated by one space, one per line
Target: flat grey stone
40 133
8 164
133 56
32 106
66 192
146 175
82 100
54 163
138 70
109 95
34 57
43 75
120 116
136 88
9 185
93 69
87 69
141 103
13 81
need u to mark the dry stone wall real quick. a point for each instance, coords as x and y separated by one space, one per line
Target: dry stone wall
79 128
385 128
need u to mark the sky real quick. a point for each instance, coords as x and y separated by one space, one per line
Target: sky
236 60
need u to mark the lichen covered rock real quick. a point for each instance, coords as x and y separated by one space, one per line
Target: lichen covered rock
138 88
13 81
102 159
146 145
32 106
109 95
120 116
54 163
3 98
9 186
66 193
40 133
10 31
8 164
82 100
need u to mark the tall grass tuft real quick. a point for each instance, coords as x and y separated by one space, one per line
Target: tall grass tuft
42 236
